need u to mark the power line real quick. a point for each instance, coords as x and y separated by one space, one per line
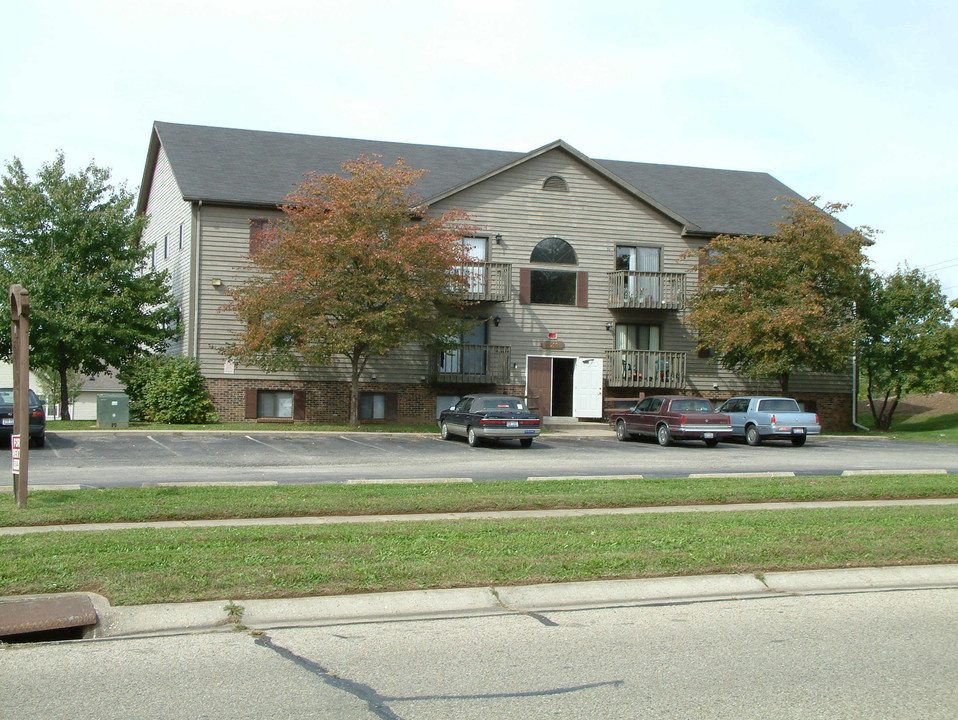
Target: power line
941 262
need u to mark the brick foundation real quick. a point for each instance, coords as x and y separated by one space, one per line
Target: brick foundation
327 402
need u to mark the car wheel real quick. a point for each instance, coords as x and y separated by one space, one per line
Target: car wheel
752 437
663 435
444 431
472 438
712 442
526 442
798 440
620 432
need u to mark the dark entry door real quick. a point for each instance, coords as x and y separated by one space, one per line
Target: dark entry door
540 384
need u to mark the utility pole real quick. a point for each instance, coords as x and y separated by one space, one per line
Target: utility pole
20 439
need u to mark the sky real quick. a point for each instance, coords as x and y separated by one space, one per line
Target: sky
853 101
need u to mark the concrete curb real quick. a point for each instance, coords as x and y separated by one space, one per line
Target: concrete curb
116 622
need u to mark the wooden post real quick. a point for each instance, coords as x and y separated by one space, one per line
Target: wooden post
20 438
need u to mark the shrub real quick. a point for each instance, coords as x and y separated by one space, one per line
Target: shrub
168 390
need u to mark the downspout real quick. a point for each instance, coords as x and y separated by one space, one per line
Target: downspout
194 351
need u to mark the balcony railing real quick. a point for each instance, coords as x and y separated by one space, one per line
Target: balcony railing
646 290
488 281
472 364
645 369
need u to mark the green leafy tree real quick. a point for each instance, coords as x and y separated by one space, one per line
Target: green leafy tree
357 268
769 307
50 383
72 241
908 340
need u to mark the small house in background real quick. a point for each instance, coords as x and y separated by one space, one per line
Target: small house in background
579 279
84 407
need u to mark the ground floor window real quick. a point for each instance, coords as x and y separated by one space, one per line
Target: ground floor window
274 404
378 406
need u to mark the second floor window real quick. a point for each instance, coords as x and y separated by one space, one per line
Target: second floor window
553 286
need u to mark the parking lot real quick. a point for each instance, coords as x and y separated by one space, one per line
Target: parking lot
109 459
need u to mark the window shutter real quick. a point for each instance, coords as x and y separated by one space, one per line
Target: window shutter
525 285
257 227
392 407
582 289
251 403
299 404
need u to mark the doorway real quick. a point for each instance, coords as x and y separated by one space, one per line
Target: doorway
551 385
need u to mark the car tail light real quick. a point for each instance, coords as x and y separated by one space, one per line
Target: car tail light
773 419
529 422
816 419
489 421
682 420
37 414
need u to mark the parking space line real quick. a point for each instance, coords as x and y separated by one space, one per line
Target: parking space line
934 471
374 447
153 439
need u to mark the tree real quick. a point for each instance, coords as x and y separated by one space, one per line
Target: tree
770 307
50 383
908 341
72 241
355 267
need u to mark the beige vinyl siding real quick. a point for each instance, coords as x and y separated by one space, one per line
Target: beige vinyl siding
168 213
593 216
225 243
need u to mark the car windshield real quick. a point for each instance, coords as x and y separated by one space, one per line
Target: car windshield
778 405
691 406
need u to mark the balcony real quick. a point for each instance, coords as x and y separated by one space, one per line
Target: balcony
645 369
488 281
646 290
472 364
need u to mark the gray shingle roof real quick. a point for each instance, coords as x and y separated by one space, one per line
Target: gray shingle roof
249 167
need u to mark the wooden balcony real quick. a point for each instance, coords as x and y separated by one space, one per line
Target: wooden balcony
488 281
645 369
472 364
646 290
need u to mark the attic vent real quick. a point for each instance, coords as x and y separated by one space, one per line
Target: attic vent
555 184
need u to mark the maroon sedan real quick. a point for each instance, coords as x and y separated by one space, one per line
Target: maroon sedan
672 417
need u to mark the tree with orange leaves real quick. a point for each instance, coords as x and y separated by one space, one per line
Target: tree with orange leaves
772 306
354 268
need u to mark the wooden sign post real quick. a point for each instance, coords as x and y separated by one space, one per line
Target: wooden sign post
20 439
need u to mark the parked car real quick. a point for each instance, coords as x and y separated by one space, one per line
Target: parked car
490 417
38 417
770 418
672 417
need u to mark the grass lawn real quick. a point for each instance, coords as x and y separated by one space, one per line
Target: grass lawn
149 566
937 428
54 507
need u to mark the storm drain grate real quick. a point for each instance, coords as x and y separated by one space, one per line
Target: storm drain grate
44 613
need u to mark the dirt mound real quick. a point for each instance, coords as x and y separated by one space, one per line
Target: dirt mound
921 406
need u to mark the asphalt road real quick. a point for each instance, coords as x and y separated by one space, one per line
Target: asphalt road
872 654
106 459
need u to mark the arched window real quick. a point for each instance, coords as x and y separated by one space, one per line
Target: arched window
555 183
554 250
554 287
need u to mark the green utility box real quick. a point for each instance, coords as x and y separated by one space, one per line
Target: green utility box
112 410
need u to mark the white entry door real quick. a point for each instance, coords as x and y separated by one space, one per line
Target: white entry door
587 388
